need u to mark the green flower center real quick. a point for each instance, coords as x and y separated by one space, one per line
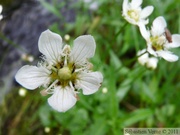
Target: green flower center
134 14
158 42
64 73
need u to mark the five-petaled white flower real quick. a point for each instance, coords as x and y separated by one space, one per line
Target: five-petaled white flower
63 71
1 8
133 12
159 40
145 60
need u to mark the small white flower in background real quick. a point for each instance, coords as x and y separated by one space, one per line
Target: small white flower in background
47 129
1 8
145 60
104 90
67 37
152 63
22 92
63 71
93 5
159 40
133 12
27 57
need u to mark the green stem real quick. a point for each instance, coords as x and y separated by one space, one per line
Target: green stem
125 24
130 61
10 42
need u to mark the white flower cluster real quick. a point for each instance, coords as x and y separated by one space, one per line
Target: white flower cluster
158 39
144 59
62 72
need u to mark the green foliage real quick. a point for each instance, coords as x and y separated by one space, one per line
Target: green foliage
136 96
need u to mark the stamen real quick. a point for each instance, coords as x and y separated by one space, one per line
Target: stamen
80 69
134 14
73 89
71 85
49 90
54 69
65 60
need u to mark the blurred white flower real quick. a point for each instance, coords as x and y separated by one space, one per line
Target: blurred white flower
145 60
152 63
27 57
159 40
22 92
93 5
47 129
104 90
63 71
133 12
67 37
1 8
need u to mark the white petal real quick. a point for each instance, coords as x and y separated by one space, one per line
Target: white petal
50 44
169 56
143 58
89 82
84 47
152 63
62 99
136 3
159 25
125 6
151 51
32 77
145 33
1 17
1 8
146 11
175 41
141 52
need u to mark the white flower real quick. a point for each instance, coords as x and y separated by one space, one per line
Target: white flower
63 71
1 8
152 63
67 37
133 12
22 92
27 57
47 129
159 40
145 60
104 90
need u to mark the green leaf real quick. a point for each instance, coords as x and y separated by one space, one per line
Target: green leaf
51 8
137 116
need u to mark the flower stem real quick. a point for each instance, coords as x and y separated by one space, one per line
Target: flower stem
10 42
125 24
141 54
130 61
